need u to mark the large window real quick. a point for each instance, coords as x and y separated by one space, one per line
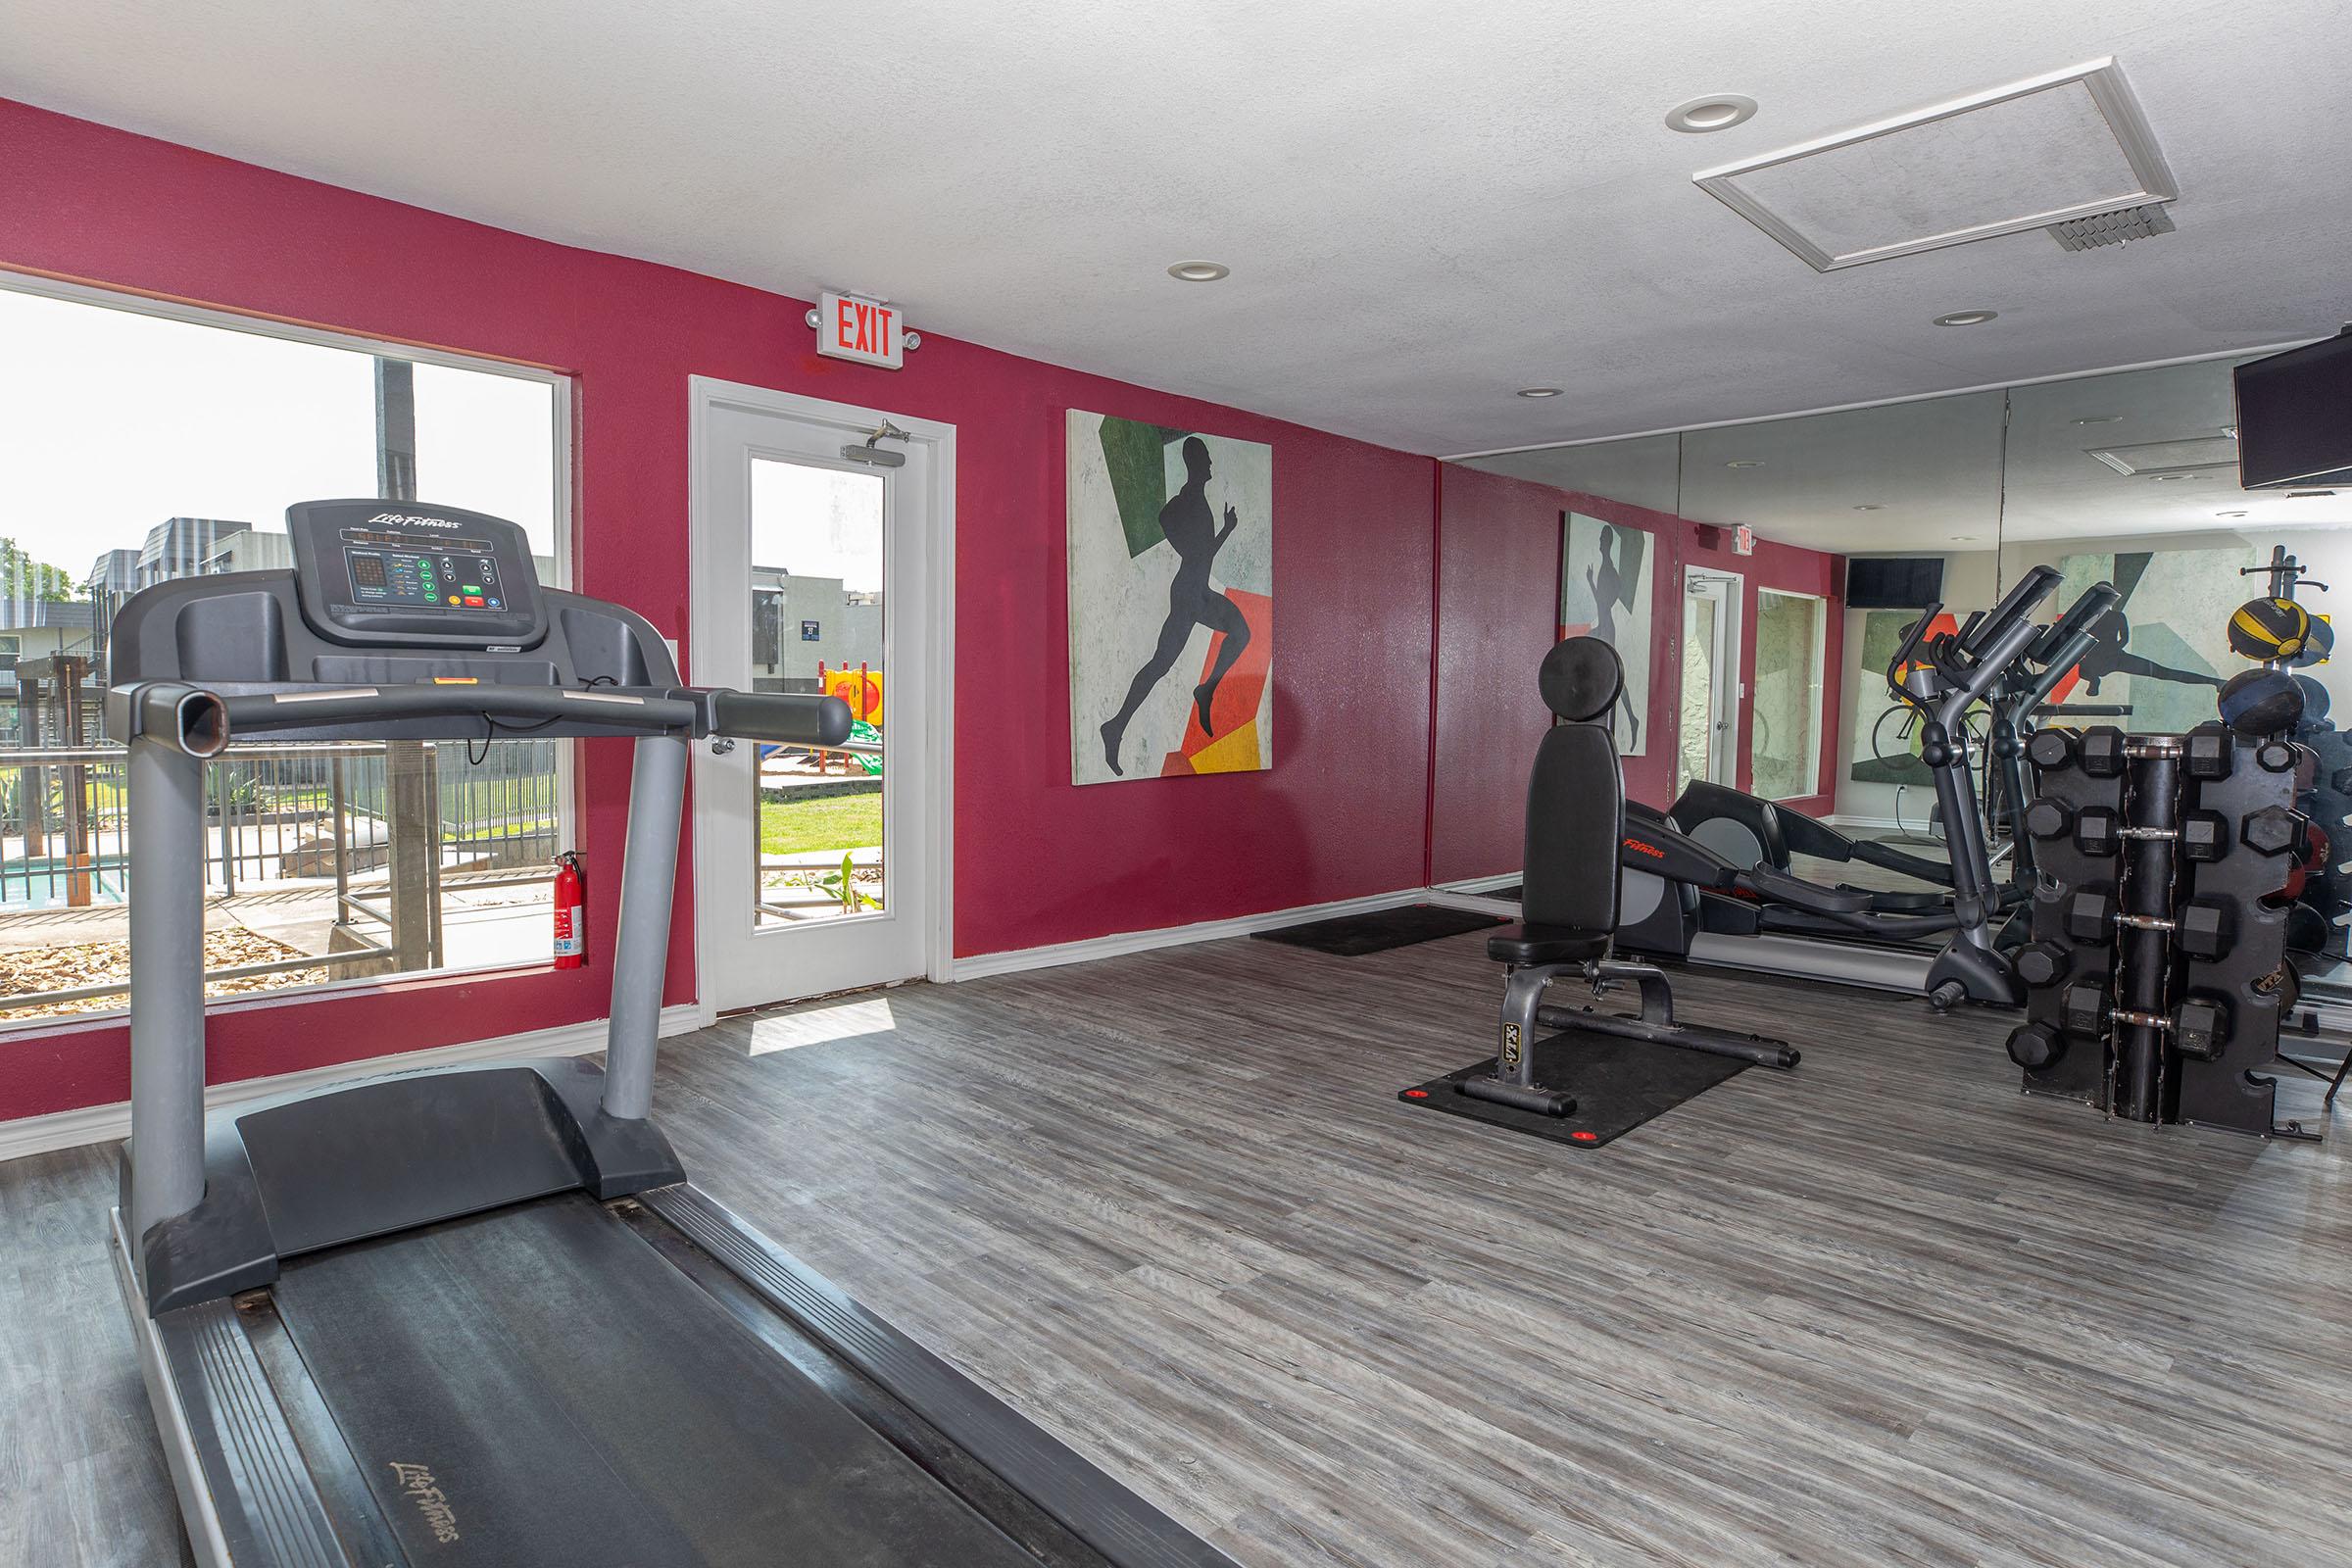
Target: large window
140 443
1785 732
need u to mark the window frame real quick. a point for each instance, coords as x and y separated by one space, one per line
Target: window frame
1815 687
563 394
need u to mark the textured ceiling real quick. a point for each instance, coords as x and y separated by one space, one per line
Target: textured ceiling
1424 207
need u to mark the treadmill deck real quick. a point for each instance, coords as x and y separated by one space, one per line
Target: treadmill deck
538 1384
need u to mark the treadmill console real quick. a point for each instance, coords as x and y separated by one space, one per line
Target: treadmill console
384 573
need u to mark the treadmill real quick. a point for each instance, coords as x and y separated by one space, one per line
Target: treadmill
478 1315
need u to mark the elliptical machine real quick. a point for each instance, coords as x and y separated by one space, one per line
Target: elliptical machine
1834 934
1748 830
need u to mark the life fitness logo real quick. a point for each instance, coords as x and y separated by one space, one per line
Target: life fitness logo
1651 850
404 519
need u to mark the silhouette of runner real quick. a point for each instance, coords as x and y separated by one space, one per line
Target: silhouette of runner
2109 657
1612 591
1188 526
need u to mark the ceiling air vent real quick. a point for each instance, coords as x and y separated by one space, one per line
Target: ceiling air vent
2037 153
2157 459
2112 229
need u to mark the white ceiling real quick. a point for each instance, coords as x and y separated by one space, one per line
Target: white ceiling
1425 206
1941 474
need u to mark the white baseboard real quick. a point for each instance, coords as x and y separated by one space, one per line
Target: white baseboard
1174 936
99 1124
1483 884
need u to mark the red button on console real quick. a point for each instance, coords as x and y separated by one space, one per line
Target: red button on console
474 600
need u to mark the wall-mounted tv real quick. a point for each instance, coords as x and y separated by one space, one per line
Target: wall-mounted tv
2294 417
1894 582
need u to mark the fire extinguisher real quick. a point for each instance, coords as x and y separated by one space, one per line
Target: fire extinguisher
571 920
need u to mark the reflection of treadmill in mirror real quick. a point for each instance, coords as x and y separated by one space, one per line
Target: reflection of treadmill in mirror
478 1315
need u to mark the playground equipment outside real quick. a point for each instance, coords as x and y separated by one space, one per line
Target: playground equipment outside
862 689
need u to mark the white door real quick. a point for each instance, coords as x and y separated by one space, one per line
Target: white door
1710 705
820 870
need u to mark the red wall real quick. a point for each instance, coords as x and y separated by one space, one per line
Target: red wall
1498 598
1341 814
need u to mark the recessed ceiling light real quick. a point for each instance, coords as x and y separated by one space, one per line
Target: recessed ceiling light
2229 513
1539 391
2167 478
1745 463
1870 506
1963 538
1966 318
1199 271
1719 110
2100 418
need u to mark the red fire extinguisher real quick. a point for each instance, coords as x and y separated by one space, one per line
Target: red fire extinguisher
571 920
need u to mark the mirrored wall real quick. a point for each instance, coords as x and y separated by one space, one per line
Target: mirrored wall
1780 561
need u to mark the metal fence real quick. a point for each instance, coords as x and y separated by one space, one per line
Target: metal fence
274 815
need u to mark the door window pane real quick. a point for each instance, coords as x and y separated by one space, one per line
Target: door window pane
1699 690
1784 737
817 622
137 448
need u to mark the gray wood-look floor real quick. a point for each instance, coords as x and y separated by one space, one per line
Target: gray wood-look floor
1881 1310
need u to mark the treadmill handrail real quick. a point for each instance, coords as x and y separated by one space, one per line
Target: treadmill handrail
259 713
789 718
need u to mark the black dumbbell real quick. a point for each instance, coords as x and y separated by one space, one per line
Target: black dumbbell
2046 818
2205 929
2096 831
2039 963
2104 752
2204 836
2273 831
2035 1046
2210 752
2055 747
2277 756
2086 1009
2201 1028
2089 915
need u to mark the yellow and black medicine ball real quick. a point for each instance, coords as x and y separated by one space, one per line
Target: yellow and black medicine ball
2266 630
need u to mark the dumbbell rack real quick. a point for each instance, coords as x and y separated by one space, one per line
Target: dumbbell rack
2158 975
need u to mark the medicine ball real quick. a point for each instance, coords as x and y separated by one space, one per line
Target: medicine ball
2316 701
2262 701
2269 630
2318 645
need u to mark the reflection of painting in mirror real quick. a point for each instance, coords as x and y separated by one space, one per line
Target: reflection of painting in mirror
2166 650
1783 724
1606 575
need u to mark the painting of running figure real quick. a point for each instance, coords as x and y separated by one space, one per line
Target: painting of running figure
1172 601
1607 573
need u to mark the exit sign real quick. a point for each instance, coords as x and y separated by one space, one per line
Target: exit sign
869 331
1743 540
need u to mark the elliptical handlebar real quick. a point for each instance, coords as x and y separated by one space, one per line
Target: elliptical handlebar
2015 606
1913 635
1973 660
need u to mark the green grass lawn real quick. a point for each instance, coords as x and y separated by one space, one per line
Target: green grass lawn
837 822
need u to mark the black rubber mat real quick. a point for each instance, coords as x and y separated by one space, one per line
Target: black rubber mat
538 1385
1511 892
1351 935
1618 1083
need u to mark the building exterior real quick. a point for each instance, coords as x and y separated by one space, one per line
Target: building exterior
800 622
178 547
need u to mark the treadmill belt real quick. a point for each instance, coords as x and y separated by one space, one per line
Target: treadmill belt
538 1385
